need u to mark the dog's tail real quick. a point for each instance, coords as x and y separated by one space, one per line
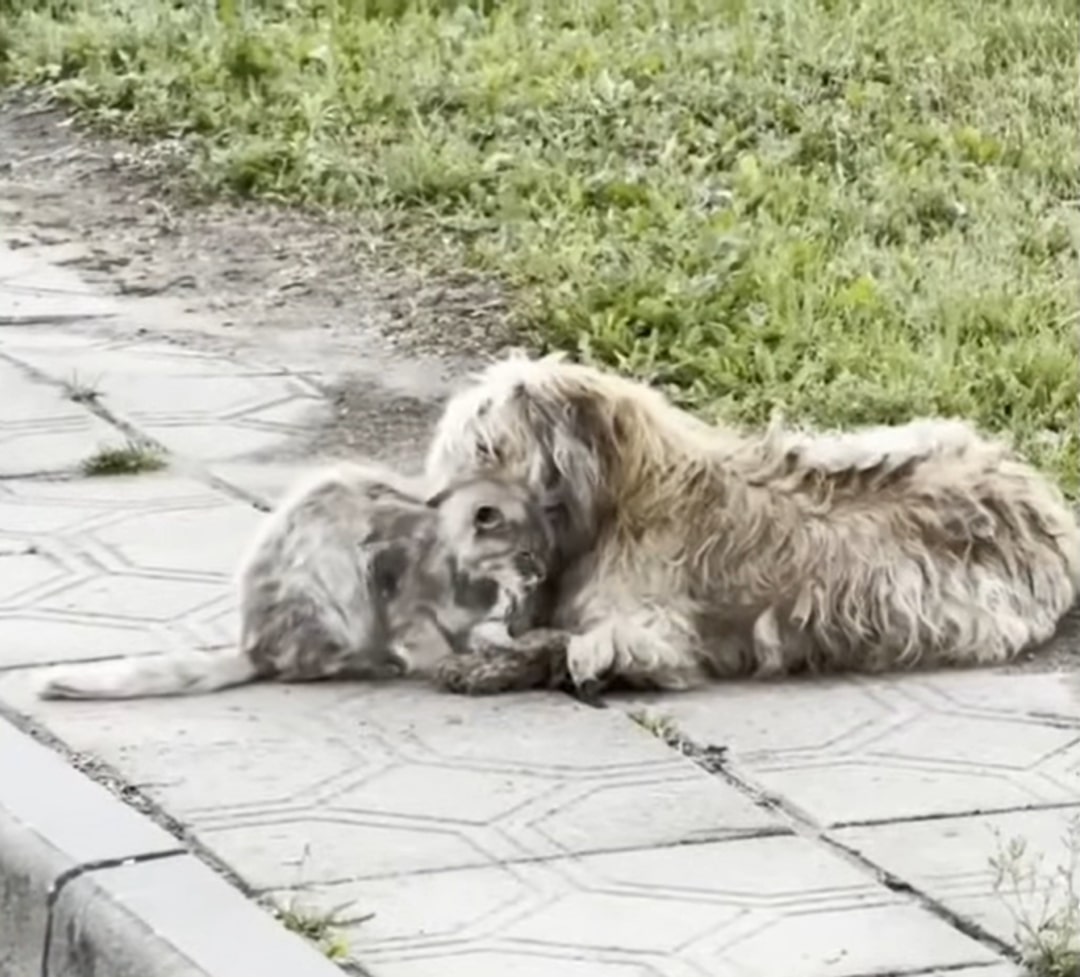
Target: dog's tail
174 673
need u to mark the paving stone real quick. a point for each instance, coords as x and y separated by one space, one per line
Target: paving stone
105 361
219 441
268 481
33 288
753 907
41 432
141 564
950 860
170 917
53 820
24 572
34 639
207 407
341 781
854 749
197 541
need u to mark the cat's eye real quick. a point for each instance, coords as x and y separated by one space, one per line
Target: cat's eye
487 518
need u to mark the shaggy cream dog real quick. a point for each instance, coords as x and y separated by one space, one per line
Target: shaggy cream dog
694 550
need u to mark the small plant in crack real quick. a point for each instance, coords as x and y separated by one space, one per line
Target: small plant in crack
666 729
661 725
132 458
1044 904
81 391
321 927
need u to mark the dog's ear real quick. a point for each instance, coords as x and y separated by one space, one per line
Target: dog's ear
574 459
584 445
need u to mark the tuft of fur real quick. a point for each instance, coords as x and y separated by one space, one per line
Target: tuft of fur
356 575
697 550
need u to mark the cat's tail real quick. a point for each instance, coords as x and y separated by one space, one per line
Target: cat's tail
174 673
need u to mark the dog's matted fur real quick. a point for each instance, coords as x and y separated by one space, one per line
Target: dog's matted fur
355 575
699 550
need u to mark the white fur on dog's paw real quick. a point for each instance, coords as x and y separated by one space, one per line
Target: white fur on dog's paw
590 657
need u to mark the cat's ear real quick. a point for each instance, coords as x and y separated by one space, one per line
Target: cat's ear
439 498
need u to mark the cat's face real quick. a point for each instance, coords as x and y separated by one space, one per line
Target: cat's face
502 541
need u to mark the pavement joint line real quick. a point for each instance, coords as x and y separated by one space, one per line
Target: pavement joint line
77 871
948 968
957 815
804 826
736 836
56 319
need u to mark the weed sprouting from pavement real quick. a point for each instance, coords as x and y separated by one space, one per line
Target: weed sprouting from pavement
666 729
322 928
1044 904
81 391
132 458
661 725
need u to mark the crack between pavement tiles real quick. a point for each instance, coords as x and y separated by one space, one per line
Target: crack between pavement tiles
713 760
53 320
955 815
70 875
946 968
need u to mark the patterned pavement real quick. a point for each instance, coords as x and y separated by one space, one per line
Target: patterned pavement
847 831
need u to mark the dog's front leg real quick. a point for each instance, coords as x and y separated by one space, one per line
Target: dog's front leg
646 645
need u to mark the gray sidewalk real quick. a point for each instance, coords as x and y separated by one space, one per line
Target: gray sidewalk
839 828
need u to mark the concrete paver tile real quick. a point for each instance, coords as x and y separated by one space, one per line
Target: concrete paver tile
203 406
117 566
41 432
854 749
950 859
33 287
751 907
175 917
53 820
296 785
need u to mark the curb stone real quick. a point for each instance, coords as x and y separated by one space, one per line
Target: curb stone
89 887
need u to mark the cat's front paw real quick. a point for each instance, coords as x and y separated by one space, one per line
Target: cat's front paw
459 673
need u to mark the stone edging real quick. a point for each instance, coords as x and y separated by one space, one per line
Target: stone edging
90 886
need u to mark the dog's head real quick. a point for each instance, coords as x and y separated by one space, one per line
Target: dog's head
545 421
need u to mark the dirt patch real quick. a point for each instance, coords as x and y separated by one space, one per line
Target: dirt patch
317 294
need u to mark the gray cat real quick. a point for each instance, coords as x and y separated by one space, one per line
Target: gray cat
355 575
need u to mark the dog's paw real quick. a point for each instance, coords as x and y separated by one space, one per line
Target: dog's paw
590 659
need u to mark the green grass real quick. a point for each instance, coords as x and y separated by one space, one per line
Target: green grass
853 210
130 459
